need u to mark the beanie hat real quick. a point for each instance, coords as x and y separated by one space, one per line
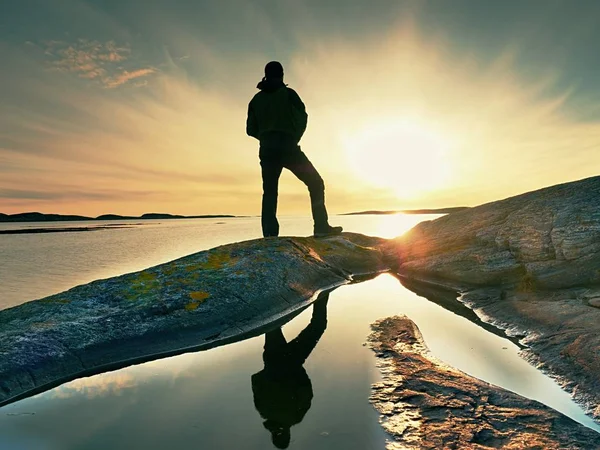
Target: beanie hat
274 69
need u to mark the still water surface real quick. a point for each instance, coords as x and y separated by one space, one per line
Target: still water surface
214 399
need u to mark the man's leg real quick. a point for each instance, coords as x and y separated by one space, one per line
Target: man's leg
271 170
301 347
298 163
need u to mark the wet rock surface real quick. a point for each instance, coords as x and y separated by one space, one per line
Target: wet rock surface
560 329
425 404
202 300
529 264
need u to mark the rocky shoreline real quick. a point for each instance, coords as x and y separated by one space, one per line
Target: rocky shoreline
529 264
200 301
424 404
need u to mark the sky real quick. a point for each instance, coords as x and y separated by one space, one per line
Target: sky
135 106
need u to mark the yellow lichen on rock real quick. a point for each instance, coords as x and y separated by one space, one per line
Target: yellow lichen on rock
169 270
197 297
145 277
216 260
144 283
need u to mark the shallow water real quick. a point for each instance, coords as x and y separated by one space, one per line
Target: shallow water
205 399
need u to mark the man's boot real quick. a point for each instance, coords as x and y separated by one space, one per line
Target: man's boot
327 230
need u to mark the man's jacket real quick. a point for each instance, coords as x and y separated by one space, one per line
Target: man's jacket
276 108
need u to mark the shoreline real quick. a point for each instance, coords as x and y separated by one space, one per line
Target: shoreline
183 305
424 403
41 217
63 230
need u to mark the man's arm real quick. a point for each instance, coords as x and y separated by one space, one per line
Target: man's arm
300 116
251 123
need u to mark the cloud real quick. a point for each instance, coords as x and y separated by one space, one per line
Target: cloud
174 147
126 76
56 193
505 133
181 137
25 194
102 62
104 385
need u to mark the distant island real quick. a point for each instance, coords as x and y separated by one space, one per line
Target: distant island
409 211
40 217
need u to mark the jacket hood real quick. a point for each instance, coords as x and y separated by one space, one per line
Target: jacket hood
270 85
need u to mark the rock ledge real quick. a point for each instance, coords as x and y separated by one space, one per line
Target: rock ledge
425 404
202 300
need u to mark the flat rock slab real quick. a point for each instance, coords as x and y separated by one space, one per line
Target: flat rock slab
202 300
425 404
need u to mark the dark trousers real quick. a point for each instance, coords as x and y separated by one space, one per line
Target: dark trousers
281 355
273 158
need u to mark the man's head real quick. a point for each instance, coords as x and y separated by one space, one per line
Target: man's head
273 70
280 434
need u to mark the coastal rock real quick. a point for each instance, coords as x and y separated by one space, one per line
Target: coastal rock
529 264
545 239
561 331
199 301
425 404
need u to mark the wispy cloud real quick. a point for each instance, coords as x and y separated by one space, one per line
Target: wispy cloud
178 143
71 193
103 62
126 76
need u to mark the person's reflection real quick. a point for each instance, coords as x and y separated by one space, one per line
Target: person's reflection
282 390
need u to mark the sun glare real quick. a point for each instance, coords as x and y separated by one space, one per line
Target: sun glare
403 155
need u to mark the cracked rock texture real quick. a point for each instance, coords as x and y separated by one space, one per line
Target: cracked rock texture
546 239
202 300
529 264
425 404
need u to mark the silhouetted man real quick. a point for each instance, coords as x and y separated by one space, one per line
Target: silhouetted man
277 118
282 390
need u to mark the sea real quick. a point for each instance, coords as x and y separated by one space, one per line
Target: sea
211 399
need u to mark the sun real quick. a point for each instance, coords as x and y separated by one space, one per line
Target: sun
402 154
